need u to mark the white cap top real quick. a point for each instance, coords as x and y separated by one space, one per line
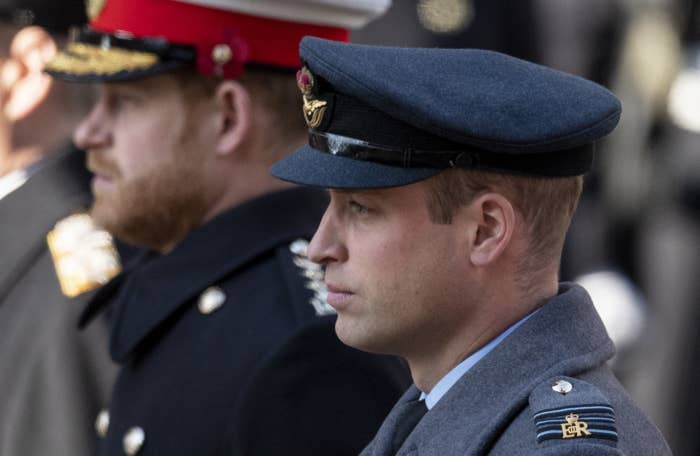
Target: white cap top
338 13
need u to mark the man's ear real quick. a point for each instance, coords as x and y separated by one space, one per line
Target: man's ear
25 84
495 223
235 116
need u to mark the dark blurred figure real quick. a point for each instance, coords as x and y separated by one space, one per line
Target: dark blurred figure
498 25
585 38
52 377
667 370
639 215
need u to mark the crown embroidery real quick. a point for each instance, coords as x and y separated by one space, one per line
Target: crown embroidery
574 428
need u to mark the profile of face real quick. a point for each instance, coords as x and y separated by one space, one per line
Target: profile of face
393 275
144 147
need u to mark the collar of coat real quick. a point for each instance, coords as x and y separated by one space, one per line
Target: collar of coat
153 288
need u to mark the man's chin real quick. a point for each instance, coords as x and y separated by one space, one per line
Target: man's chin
108 217
359 338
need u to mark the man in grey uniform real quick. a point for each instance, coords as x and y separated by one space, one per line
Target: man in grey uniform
454 175
53 378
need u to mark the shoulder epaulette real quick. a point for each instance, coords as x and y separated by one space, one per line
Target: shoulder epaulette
570 409
84 255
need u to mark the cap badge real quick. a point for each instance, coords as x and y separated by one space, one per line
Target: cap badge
84 255
93 8
313 109
102 59
573 427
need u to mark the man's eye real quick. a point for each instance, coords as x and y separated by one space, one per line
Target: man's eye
120 101
358 208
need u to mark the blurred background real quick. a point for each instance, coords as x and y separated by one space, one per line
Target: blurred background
635 241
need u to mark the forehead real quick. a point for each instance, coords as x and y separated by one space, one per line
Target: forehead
161 85
403 196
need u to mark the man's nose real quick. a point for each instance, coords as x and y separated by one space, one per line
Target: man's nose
93 131
326 246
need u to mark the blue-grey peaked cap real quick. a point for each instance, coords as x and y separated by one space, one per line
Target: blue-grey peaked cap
394 116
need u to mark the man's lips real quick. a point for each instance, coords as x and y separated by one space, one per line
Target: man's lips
100 179
101 168
338 296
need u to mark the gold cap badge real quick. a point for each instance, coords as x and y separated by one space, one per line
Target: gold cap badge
313 109
84 256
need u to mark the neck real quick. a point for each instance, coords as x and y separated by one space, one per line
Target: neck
500 309
239 187
428 368
256 183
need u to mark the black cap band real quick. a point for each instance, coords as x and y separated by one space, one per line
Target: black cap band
165 50
564 163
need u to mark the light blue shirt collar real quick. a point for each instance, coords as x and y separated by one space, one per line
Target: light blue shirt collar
12 181
446 382
15 179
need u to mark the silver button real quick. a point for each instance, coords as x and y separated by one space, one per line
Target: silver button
133 440
102 423
562 386
211 299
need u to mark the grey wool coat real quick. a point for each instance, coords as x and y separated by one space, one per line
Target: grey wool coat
53 378
507 403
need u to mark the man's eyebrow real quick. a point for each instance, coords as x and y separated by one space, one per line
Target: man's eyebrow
357 191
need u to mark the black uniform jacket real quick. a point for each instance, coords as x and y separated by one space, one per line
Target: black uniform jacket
53 378
250 367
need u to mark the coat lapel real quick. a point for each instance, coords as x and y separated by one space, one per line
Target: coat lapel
381 444
158 288
564 337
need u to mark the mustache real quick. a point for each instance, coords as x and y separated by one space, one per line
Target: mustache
99 164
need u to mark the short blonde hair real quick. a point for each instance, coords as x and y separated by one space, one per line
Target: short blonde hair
276 90
546 204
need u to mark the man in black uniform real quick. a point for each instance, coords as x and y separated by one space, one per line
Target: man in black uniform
224 337
52 377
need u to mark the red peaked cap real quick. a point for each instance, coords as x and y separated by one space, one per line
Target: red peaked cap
252 39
